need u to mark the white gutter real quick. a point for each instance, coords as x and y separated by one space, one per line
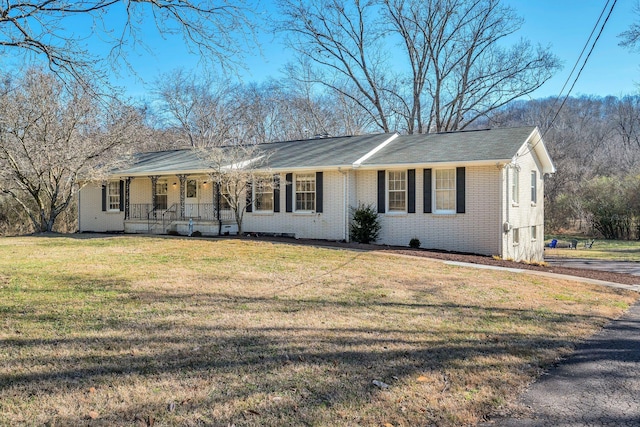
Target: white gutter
358 162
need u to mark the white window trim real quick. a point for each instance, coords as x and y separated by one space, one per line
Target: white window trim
397 212
534 188
515 187
117 190
269 180
516 237
295 194
534 233
434 197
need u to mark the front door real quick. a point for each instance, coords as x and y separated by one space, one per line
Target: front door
191 199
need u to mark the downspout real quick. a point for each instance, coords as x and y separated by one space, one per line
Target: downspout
79 213
504 201
345 205
507 207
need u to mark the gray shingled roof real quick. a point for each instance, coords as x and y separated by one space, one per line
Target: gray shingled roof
308 153
323 152
453 147
450 147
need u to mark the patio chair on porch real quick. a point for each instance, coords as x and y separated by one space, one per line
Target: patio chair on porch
573 244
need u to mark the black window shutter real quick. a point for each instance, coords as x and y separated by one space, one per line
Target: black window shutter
249 200
411 189
276 192
104 197
460 190
426 191
319 187
289 192
121 196
381 191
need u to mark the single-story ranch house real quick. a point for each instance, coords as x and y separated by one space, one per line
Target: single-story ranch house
477 191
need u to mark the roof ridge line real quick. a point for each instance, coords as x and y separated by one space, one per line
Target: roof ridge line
358 162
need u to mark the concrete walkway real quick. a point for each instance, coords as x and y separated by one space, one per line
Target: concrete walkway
546 274
599 385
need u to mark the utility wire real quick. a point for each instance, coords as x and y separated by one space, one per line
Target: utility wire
584 63
593 45
584 48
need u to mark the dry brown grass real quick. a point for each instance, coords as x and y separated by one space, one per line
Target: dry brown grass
171 331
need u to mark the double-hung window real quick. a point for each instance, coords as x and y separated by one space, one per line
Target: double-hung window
161 194
113 196
515 186
263 193
397 181
445 190
534 232
534 187
305 187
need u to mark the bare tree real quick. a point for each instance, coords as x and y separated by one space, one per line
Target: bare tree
631 37
55 137
459 70
216 30
200 109
235 169
340 38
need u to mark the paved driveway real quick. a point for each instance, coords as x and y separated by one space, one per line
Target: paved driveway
627 267
599 385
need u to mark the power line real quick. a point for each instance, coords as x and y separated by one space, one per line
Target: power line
593 45
584 63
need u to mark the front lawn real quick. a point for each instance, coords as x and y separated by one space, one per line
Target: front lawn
614 250
174 331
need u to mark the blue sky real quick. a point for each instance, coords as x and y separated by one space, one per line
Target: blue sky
563 24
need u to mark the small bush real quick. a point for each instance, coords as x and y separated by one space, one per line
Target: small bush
196 234
365 224
414 243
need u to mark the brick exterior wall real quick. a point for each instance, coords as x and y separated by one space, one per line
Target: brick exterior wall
479 230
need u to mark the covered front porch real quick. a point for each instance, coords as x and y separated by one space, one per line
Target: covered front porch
176 204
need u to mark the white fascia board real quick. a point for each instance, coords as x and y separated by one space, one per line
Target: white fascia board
147 174
358 162
534 142
493 162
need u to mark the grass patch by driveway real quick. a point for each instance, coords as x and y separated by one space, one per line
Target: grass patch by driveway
612 250
172 331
